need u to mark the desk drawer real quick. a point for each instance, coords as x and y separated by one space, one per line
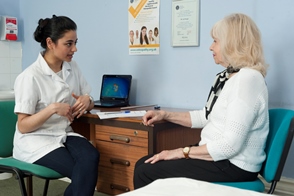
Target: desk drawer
114 182
122 135
120 149
119 156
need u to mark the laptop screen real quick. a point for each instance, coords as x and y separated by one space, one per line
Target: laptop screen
115 87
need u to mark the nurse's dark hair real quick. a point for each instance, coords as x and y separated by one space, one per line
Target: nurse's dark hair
54 27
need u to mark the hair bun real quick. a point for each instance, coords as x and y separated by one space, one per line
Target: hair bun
40 26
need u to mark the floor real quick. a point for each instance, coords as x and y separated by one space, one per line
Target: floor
10 187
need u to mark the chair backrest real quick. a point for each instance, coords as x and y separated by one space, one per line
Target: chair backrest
7 127
281 130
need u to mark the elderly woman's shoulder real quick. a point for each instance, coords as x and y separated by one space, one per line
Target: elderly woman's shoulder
249 74
250 71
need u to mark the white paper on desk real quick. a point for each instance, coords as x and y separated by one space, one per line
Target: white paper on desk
106 115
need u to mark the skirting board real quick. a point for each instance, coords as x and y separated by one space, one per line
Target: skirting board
285 187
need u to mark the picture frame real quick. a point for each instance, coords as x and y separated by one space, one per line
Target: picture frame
185 22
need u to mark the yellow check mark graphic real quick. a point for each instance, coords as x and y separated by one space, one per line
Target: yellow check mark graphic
136 11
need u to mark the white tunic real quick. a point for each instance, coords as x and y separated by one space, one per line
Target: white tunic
36 88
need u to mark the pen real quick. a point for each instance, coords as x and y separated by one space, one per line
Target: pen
119 112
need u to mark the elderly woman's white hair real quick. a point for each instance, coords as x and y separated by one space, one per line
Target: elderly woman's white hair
240 42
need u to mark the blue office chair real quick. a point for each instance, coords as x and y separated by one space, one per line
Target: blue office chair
10 165
281 130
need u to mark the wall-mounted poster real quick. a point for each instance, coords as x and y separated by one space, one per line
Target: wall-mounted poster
143 27
185 23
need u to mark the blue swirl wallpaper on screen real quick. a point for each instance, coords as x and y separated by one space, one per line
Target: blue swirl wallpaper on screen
115 87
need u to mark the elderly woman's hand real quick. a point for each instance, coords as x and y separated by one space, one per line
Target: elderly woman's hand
166 155
152 116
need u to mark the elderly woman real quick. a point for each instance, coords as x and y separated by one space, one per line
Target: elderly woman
234 120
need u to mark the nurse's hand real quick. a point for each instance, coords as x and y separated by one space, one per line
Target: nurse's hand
81 105
64 109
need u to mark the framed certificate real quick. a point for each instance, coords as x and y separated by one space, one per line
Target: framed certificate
185 23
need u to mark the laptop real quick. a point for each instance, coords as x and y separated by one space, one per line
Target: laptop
115 91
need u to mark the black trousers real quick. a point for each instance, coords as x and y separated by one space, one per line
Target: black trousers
210 171
77 160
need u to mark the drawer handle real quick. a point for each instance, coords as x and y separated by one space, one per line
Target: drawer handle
119 161
119 187
120 138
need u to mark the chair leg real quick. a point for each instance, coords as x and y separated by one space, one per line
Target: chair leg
30 185
46 187
273 187
22 186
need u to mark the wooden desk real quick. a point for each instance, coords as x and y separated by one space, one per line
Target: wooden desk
122 141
